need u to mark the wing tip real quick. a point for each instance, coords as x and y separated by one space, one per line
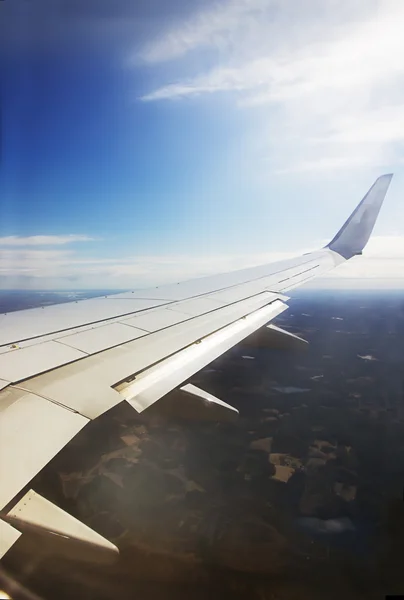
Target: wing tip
386 176
354 234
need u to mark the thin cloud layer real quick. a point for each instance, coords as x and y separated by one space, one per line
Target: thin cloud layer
50 268
326 77
43 240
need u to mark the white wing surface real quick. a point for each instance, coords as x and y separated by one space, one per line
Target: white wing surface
62 366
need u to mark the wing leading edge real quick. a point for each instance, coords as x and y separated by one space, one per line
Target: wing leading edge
68 364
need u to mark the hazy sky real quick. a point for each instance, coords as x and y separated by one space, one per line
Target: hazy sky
157 140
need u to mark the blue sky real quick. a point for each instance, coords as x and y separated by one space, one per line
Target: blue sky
146 142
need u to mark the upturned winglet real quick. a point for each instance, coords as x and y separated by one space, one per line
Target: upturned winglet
354 234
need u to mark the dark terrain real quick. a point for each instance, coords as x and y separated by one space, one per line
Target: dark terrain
301 498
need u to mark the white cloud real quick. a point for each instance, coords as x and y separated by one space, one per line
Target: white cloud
385 246
43 240
326 77
383 259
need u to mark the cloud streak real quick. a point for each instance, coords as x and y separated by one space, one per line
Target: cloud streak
214 26
43 240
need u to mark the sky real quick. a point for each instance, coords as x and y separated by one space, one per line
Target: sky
153 141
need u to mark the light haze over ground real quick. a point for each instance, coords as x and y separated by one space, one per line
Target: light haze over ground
157 141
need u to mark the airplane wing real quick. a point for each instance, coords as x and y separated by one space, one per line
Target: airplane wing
62 366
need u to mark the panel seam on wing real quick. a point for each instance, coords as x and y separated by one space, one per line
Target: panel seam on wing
300 273
23 389
129 314
219 307
150 309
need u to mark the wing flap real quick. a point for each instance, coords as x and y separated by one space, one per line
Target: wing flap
33 430
35 514
157 381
